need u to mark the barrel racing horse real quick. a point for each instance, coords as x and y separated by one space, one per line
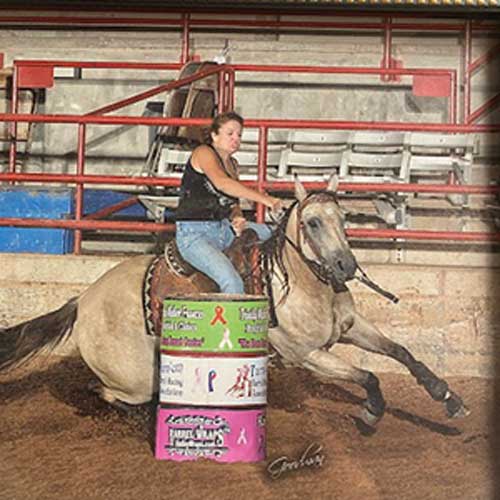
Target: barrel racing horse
307 263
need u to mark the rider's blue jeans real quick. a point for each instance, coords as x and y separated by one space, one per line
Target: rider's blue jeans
201 243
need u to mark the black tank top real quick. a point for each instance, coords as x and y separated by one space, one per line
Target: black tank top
200 199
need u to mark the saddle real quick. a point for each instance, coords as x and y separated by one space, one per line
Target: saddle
171 272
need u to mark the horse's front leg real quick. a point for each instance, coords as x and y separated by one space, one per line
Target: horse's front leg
328 365
365 335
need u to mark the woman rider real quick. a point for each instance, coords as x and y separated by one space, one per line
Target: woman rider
208 216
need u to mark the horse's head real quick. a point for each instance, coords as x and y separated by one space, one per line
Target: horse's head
320 232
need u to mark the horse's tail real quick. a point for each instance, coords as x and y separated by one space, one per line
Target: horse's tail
20 343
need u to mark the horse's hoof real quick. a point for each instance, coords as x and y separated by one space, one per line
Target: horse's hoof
462 412
107 396
455 407
370 418
95 386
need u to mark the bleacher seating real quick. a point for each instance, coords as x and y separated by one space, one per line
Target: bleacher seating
374 156
312 154
172 161
248 154
378 156
357 156
435 158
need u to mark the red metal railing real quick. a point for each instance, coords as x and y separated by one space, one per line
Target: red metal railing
470 67
163 88
261 183
221 70
186 22
226 82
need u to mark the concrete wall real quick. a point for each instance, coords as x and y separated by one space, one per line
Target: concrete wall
447 315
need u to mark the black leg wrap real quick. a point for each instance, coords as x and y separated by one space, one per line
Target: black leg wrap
436 387
375 403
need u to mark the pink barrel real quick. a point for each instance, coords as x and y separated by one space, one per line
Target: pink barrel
224 435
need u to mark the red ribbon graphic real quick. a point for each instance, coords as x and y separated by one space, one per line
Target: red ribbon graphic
219 311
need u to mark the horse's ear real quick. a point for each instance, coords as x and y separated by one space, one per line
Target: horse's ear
333 183
300 190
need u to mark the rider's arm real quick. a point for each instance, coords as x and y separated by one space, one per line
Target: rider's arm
205 160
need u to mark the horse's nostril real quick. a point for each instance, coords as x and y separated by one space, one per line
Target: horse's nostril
340 265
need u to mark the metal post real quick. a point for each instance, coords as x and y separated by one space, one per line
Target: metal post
262 170
452 106
232 81
185 39
13 125
467 73
221 92
80 170
227 90
260 215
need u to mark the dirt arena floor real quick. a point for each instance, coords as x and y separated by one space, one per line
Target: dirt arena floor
58 441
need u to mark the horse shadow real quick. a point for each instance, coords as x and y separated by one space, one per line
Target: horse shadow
68 382
307 385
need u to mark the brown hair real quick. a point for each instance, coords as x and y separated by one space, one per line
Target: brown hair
223 118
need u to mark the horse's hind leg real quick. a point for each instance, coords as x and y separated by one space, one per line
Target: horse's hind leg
366 336
329 365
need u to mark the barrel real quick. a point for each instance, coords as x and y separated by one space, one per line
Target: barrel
224 435
213 378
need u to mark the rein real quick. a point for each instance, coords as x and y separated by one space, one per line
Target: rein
319 270
371 284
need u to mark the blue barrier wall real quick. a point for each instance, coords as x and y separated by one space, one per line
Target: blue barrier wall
52 203
36 203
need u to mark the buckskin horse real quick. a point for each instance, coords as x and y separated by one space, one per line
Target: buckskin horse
308 262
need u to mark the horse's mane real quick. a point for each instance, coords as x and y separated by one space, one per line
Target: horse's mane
272 249
271 253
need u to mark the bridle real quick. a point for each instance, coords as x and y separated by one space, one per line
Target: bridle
318 267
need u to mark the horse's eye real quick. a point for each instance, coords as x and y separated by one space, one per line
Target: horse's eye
314 223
